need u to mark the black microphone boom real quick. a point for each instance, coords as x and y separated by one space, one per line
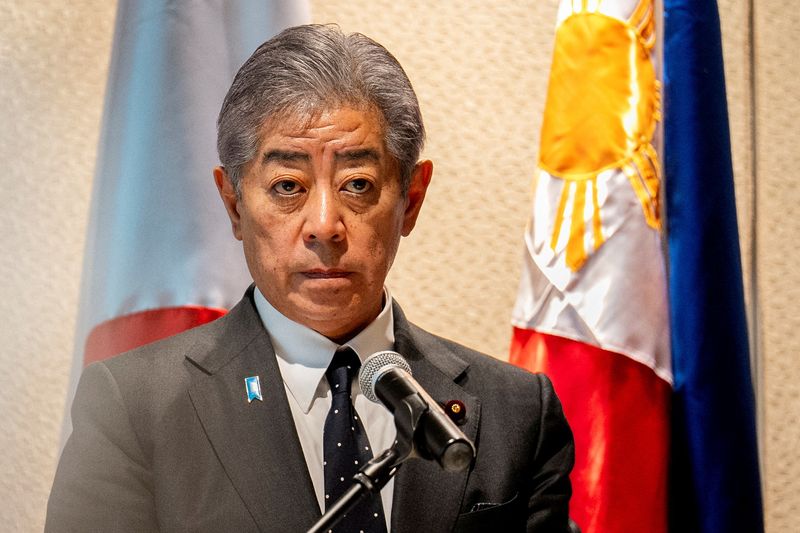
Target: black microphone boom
422 425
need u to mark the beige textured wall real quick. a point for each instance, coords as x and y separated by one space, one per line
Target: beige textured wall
480 70
778 228
53 62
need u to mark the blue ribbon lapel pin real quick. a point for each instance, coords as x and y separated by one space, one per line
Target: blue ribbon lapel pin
253 387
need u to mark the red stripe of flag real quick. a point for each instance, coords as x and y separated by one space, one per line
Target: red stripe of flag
127 332
615 407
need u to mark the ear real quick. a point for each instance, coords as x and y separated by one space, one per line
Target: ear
229 198
420 180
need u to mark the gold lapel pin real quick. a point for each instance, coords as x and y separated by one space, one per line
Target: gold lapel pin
456 410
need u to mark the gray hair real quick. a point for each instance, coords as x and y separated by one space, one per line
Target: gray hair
313 68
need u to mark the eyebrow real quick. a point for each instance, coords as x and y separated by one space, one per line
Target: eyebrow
369 154
284 156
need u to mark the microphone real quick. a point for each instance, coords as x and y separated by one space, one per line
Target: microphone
385 377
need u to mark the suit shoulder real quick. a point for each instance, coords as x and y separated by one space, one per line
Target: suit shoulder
480 365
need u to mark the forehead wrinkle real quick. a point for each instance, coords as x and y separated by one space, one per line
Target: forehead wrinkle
319 133
342 141
302 120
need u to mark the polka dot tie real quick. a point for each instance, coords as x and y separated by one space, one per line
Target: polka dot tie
346 449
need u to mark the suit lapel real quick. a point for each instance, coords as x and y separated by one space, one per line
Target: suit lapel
422 489
256 442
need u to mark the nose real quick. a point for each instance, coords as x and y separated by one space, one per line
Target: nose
323 221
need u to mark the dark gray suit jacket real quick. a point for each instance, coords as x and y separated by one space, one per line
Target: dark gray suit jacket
164 439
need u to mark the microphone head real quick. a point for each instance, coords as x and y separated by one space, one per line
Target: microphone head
374 367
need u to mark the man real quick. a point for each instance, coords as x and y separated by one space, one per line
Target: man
228 427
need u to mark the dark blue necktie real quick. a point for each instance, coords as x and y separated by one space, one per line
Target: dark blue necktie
346 449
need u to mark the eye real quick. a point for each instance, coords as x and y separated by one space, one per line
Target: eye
287 188
358 186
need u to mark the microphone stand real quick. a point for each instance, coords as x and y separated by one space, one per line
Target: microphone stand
370 479
379 470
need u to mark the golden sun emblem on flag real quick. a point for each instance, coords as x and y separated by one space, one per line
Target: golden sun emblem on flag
603 104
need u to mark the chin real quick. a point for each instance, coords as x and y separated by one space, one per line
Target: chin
322 312
334 322
337 331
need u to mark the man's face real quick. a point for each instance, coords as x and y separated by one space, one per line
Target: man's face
320 217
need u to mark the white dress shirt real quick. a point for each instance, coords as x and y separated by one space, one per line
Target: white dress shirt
303 357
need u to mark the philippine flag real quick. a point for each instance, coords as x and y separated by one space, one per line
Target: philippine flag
604 297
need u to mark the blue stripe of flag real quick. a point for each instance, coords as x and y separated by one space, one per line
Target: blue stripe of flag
714 484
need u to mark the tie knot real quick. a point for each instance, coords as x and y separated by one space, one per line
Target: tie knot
343 367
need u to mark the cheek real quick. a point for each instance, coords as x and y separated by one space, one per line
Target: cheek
262 240
392 231
383 244
266 229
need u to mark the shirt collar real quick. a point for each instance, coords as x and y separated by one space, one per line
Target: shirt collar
304 355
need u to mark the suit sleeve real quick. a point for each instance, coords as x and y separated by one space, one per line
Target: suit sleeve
103 481
548 506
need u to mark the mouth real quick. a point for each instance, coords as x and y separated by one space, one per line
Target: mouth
322 273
